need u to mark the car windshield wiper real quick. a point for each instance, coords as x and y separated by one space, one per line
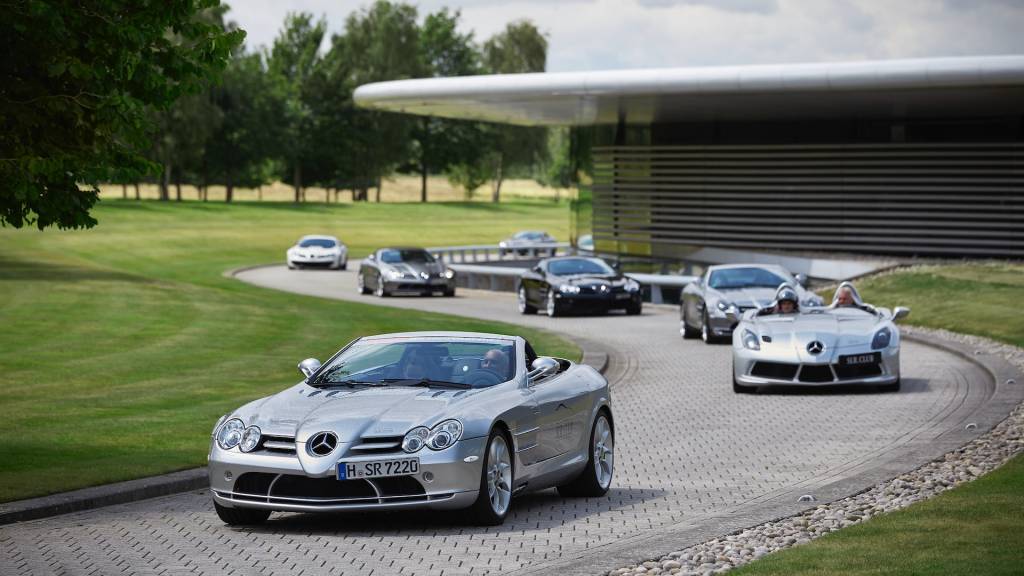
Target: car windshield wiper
349 383
427 382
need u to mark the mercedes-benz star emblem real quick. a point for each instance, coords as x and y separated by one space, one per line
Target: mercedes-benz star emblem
322 444
815 347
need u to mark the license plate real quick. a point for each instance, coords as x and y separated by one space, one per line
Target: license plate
378 468
621 296
858 359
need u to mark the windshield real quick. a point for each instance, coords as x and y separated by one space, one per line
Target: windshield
534 236
320 242
402 362
745 278
579 266
412 255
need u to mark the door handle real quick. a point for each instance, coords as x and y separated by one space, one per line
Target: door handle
560 406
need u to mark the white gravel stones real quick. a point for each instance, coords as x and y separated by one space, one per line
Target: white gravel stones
976 458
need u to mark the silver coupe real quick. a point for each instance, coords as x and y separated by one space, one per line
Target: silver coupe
703 304
439 420
848 342
396 270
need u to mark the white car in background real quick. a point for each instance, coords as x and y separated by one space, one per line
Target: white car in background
319 251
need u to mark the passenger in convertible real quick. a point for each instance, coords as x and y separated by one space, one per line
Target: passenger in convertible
846 296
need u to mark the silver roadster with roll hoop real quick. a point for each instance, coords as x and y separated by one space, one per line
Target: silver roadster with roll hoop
437 420
848 342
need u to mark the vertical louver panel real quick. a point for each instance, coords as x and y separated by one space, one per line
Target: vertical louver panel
895 199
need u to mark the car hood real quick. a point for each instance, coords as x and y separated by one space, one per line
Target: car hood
614 280
302 411
843 332
415 268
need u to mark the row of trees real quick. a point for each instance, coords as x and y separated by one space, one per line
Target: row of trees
286 113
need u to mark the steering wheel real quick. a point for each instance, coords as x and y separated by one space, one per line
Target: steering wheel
481 378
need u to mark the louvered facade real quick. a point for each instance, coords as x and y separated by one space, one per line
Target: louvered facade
943 199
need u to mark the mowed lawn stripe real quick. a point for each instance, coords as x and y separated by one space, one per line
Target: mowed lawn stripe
123 344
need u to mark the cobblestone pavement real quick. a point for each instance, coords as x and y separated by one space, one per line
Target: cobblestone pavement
687 448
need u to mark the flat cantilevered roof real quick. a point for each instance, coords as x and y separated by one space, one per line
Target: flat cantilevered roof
918 88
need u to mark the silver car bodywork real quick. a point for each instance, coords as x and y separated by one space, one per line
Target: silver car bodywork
546 416
703 309
817 346
406 277
335 257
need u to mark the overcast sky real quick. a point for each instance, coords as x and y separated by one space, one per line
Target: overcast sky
615 34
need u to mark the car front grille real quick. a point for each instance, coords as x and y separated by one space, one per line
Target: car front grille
816 373
376 445
774 370
858 371
287 489
281 445
813 373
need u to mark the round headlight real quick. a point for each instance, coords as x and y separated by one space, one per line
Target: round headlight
632 285
444 434
230 434
449 273
415 439
250 439
569 289
723 305
882 339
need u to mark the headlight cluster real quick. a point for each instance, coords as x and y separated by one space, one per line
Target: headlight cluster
234 433
437 438
632 285
569 289
882 339
750 341
449 273
395 274
723 305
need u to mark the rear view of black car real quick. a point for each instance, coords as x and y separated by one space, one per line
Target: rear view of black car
572 284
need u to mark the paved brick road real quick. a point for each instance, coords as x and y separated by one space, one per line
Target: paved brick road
687 449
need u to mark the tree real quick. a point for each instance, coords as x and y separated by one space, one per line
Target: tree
439 143
292 62
519 48
76 83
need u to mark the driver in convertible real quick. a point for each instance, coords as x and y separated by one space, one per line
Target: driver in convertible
846 296
496 361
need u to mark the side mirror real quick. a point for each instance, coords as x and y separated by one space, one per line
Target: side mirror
801 279
371 257
536 270
309 366
617 266
900 312
541 368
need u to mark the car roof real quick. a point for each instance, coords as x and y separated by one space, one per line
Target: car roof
773 267
318 237
557 258
402 248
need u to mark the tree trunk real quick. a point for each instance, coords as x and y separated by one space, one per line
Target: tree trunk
177 185
259 193
137 197
378 190
297 183
165 180
124 191
496 191
229 190
423 180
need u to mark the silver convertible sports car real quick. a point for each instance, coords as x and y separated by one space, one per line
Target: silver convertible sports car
848 342
703 304
439 420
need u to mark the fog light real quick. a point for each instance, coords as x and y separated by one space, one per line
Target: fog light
428 476
228 476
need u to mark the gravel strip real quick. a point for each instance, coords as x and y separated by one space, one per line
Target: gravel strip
978 457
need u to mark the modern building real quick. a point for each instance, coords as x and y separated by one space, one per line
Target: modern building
889 158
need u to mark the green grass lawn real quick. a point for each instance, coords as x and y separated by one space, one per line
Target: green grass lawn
123 344
976 528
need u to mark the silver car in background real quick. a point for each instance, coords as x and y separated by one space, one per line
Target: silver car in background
528 243
397 270
319 251
838 344
438 420
704 303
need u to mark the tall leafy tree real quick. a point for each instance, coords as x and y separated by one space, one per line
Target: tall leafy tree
519 48
293 60
438 143
76 83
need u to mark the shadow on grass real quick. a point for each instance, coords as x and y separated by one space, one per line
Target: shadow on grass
25 270
538 511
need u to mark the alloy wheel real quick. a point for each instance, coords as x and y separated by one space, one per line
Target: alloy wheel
604 452
499 475
549 305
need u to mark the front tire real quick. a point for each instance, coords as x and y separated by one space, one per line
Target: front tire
241 516
496 477
380 291
634 309
705 331
361 284
523 303
449 293
596 478
551 305
684 326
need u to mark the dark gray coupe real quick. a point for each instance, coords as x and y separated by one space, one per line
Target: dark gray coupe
404 271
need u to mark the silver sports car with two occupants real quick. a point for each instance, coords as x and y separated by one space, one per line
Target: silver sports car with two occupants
848 342
703 304
439 420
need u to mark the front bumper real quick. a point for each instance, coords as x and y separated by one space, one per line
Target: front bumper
315 260
607 301
279 482
420 286
752 368
720 326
